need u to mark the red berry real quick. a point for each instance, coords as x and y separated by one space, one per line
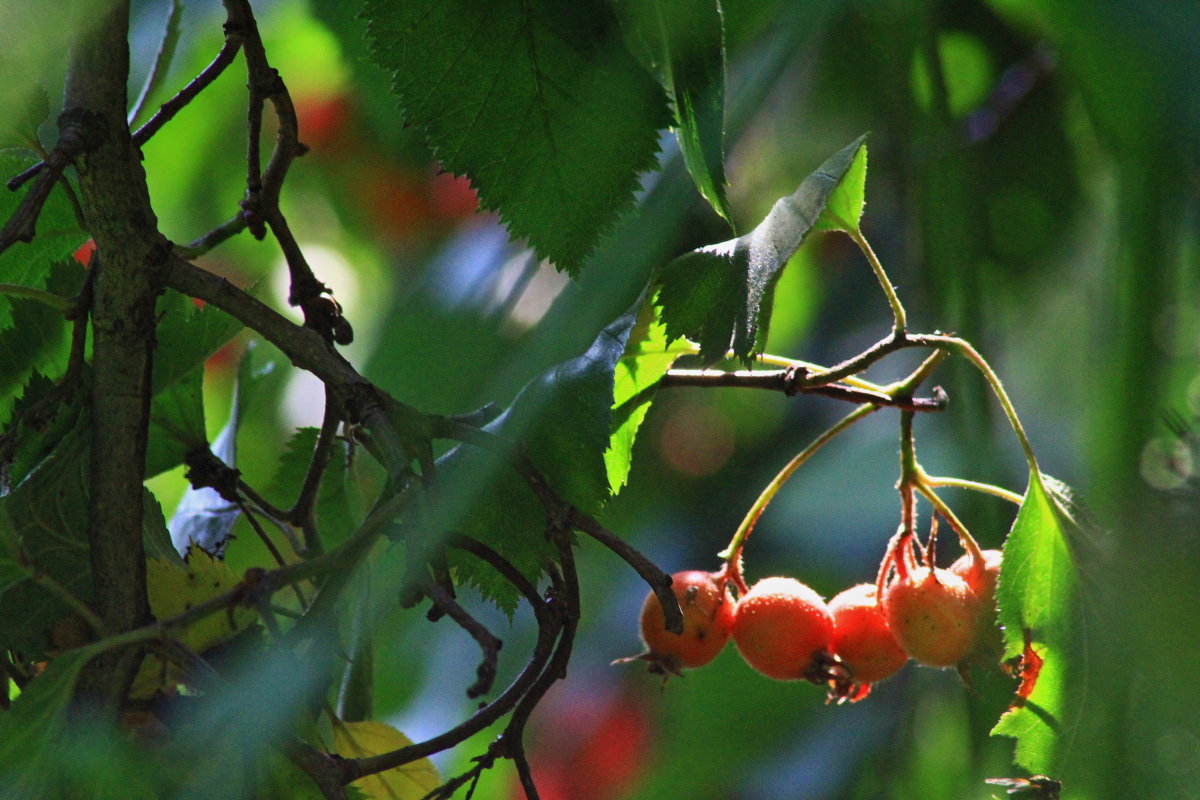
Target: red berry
862 637
707 616
934 616
981 577
783 629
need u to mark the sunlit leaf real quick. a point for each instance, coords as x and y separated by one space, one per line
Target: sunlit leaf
647 357
407 782
537 102
844 206
683 42
1038 599
720 296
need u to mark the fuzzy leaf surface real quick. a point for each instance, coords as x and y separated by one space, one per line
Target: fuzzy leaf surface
537 102
721 295
1038 600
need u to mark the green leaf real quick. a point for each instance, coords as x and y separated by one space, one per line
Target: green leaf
1038 599
683 42
563 418
537 102
187 336
34 731
844 206
24 105
58 234
647 357
335 518
720 296
176 422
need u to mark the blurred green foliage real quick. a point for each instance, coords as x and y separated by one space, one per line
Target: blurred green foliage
1033 188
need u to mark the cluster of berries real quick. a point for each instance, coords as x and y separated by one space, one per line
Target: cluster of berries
786 631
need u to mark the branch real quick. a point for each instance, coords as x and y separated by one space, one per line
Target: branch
362 401
795 381
77 134
489 644
129 267
167 111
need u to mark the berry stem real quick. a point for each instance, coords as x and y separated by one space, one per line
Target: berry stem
900 319
964 348
964 536
733 553
849 380
977 486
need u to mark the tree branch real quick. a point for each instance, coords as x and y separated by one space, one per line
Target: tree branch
795 381
129 266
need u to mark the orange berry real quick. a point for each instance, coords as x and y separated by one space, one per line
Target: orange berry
934 616
783 629
862 637
707 615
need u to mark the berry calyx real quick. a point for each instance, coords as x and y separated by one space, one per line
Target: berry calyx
934 616
783 629
707 617
862 637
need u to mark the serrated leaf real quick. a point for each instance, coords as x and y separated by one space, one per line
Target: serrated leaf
720 296
1038 600
187 336
176 423
58 233
683 41
174 587
39 335
647 357
407 782
563 418
537 102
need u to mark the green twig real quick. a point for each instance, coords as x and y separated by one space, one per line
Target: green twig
63 305
900 323
975 486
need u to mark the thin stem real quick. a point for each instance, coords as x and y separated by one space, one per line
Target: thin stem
59 303
168 110
964 348
975 486
900 324
733 552
78 606
849 380
964 536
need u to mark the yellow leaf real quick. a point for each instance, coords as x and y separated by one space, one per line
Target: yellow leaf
172 590
408 782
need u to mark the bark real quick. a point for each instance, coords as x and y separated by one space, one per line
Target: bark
129 270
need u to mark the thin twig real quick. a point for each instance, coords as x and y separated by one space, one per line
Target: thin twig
77 135
792 382
486 672
302 513
167 111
